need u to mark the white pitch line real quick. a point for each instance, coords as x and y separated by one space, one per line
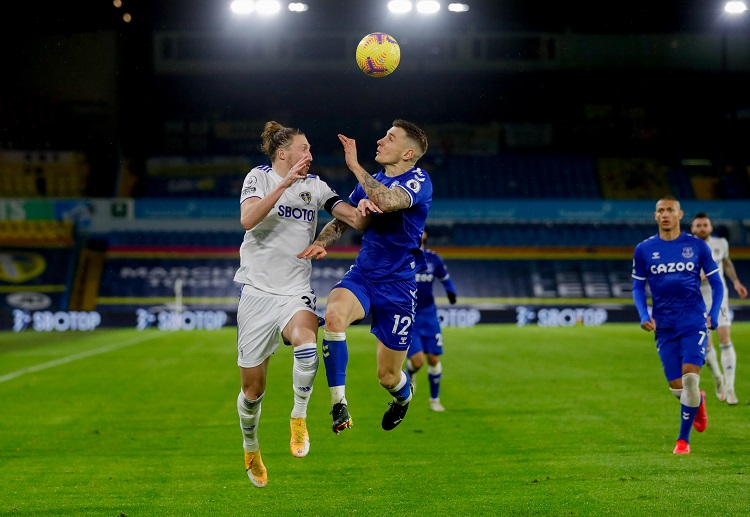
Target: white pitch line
74 357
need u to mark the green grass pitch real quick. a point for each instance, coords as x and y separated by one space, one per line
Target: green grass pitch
539 421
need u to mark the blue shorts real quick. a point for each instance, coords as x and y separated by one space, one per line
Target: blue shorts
681 346
426 337
392 305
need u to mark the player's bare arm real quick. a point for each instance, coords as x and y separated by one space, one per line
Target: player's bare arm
731 274
358 218
386 199
328 235
253 210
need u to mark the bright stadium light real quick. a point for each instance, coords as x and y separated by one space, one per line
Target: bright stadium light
242 6
267 7
298 7
735 7
428 6
458 8
399 6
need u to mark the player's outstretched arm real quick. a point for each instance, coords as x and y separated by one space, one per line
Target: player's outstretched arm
355 217
386 199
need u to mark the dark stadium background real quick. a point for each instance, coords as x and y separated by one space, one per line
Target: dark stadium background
553 129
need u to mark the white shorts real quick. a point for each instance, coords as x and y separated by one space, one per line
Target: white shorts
260 319
725 319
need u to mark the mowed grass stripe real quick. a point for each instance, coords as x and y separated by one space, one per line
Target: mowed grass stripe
75 357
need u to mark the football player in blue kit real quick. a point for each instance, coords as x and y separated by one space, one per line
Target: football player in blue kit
382 282
427 338
671 262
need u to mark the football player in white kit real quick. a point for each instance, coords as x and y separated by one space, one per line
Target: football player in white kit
279 210
724 381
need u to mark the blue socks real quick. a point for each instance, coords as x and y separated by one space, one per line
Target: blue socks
687 416
402 391
335 357
434 374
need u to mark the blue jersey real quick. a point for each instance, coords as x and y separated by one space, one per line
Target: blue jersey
435 269
391 243
673 271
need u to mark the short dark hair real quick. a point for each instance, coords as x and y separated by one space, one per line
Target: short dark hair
415 133
700 215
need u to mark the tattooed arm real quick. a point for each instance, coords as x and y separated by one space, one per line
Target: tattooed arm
328 235
386 199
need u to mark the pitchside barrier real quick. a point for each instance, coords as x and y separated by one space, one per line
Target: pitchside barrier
193 288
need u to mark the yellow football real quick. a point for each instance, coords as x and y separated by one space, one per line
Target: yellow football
378 54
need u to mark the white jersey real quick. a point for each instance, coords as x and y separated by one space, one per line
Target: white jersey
268 255
719 251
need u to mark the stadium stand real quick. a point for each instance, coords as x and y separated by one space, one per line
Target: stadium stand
549 234
36 173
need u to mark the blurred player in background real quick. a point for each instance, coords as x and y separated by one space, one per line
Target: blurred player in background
382 280
427 337
671 261
279 208
702 228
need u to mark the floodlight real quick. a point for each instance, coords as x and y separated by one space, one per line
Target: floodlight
267 6
298 7
735 7
428 6
458 8
242 6
399 6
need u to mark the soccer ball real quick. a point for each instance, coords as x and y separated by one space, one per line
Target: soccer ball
378 54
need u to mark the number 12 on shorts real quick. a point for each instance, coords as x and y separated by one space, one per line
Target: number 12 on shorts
404 321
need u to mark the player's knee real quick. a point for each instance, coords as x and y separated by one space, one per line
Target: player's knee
691 391
335 319
417 361
252 396
388 379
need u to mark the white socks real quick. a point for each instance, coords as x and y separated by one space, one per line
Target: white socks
713 363
303 374
249 411
729 364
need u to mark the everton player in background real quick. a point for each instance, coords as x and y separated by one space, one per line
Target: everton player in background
671 262
428 337
382 280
